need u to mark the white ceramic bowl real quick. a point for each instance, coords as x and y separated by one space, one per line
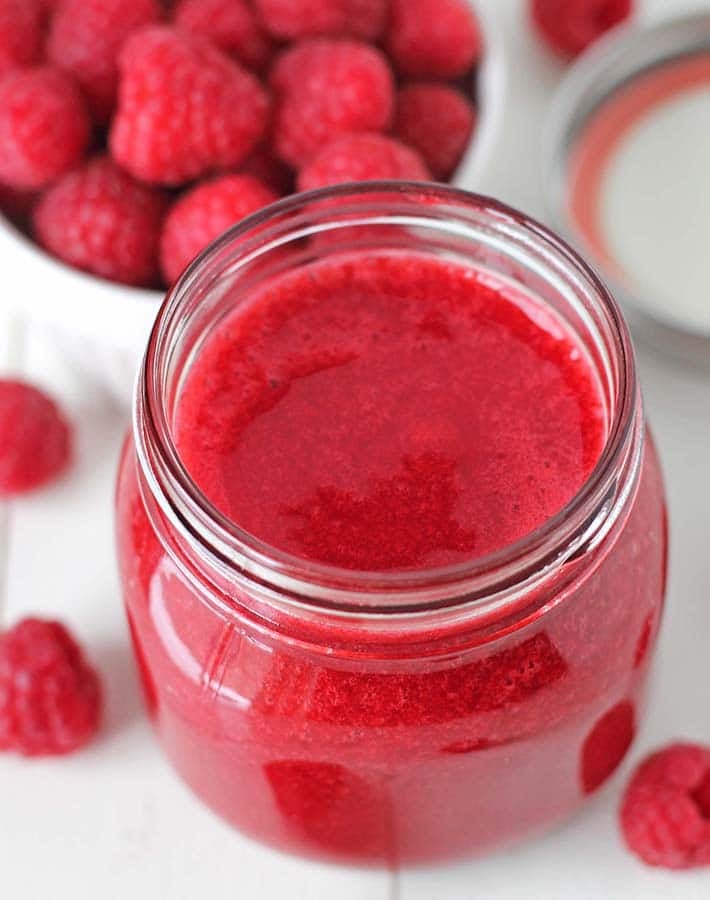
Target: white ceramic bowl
102 328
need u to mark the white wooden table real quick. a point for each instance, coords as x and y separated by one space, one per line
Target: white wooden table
114 822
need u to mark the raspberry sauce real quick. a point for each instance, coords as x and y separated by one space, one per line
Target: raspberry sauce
413 412
393 412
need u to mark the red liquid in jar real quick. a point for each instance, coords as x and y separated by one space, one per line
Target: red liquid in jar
395 412
390 412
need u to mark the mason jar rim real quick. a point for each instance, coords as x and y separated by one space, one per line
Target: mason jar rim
491 580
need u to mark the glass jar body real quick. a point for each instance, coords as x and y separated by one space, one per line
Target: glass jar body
398 757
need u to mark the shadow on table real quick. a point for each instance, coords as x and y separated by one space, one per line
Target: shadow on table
124 703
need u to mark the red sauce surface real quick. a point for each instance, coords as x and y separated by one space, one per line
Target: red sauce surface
390 412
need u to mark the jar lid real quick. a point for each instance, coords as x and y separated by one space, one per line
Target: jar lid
627 160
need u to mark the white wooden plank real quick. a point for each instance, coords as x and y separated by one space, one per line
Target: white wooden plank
582 861
12 332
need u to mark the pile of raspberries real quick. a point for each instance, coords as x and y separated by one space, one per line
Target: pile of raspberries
134 132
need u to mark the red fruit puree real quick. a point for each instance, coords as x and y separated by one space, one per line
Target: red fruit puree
412 414
390 412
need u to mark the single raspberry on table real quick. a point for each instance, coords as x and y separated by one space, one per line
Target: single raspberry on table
230 24
328 88
21 33
363 157
185 108
294 19
85 38
44 127
204 213
570 26
433 38
665 814
438 121
100 220
50 697
35 438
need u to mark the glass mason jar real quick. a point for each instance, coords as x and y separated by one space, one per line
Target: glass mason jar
392 717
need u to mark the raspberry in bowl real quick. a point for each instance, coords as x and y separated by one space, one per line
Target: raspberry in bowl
391 530
150 110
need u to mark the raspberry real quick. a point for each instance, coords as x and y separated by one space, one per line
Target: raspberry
100 220
44 127
85 38
433 38
262 164
50 697
21 35
230 25
206 212
184 108
329 88
665 813
569 26
362 157
294 19
438 120
35 439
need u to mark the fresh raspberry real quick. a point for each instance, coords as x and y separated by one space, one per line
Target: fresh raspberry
665 813
184 108
438 120
21 34
99 219
230 24
433 38
50 697
329 88
262 164
569 26
363 157
295 19
206 212
35 439
44 127
85 39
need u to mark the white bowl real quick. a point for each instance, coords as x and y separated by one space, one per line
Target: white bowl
102 328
